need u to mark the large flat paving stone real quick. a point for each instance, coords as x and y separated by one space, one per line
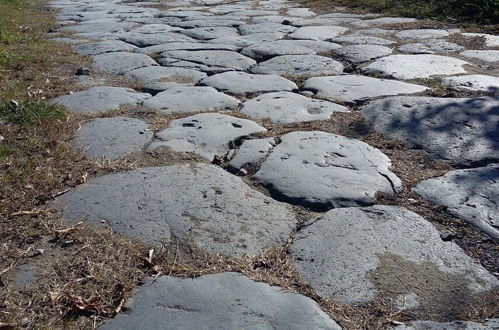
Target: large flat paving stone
287 107
383 21
267 50
361 40
218 301
99 99
156 79
415 66
185 99
491 324
249 39
470 194
148 39
488 55
324 32
299 65
205 134
212 58
266 27
478 82
109 46
246 83
462 131
212 32
490 40
354 88
251 153
199 23
215 211
325 170
430 46
419 34
363 53
351 255
122 62
158 49
111 138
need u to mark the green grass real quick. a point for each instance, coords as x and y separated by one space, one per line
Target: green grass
30 112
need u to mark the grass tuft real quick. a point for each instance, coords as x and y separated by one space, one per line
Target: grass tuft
30 112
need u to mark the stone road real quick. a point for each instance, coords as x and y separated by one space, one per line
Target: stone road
223 74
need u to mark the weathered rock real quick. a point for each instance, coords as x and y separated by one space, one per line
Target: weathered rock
476 82
432 46
350 255
185 99
299 65
415 66
147 39
197 23
228 218
383 21
205 134
461 131
363 53
464 325
111 138
207 33
247 83
490 40
251 153
354 88
483 55
26 274
161 78
324 21
469 194
158 49
325 170
109 46
99 99
419 34
122 62
361 40
250 39
265 27
218 301
286 107
268 50
213 58
324 32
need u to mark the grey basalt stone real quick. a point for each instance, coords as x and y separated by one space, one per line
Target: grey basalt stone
324 32
462 131
322 21
432 46
363 53
492 324
383 21
215 211
490 40
99 99
251 153
151 39
111 138
361 40
265 28
207 33
122 62
246 83
218 301
337 254
205 134
477 82
109 46
469 194
249 39
287 107
488 55
158 49
213 58
418 34
324 170
354 88
299 65
161 78
415 66
185 99
268 50
198 23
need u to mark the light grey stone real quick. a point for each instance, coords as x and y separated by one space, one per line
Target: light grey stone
462 131
489 55
218 301
158 49
251 153
109 46
246 83
250 39
299 65
325 170
268 50
205 134
122 62
469 194
490 40
111 138
376 32
199 23
99 99
185 99
492 324
418 34
215 210
301 12
322 21
213 58
265 28
415 66
354 88
336 253
148 39
432 46
154 29
360 40
363 53
269 19
207 33
324 32
26 274
383 21
287 107
476 82
161 78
